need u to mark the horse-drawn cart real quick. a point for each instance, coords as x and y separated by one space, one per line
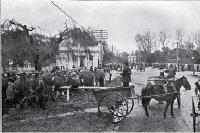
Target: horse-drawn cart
194 113
118 102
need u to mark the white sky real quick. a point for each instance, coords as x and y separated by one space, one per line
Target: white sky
122 19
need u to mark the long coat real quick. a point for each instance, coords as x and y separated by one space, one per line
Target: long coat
88 78
126 75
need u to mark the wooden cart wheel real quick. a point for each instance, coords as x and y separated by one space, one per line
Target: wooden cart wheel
113 105
193 116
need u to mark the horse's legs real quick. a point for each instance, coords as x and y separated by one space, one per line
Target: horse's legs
179 101
145 103
166 107
172 110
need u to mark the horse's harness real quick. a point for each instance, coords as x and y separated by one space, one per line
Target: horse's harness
167 82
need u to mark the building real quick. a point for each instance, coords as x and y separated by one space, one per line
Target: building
27 67
132 58
78 56
183 63
49 67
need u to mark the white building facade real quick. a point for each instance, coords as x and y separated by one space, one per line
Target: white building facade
77 56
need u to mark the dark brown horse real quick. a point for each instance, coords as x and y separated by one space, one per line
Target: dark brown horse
158 93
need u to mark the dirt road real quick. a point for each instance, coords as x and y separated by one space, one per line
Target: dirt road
138 122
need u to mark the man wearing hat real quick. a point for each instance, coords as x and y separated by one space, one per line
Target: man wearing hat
100 75
126 75
10 92
40 90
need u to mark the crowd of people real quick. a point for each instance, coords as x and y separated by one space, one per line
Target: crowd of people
16 86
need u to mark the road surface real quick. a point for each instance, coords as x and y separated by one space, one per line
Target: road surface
138 122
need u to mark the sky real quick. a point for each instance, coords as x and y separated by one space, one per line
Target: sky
122 19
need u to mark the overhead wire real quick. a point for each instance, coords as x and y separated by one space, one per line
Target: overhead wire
67 15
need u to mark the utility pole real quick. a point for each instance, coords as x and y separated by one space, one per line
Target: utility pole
101 35
177 56
112 48
193 69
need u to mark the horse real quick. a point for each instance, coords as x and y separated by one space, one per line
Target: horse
158 93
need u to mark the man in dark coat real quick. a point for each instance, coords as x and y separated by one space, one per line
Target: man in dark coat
100 75
40 91
87 78
171 72
126 75
4 86
58 82
23 86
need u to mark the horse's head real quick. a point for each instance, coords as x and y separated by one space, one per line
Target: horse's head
185 83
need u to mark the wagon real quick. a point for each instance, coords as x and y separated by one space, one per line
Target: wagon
141 67
156 80
116 102
159 80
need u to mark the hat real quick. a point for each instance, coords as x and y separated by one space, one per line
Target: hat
11 79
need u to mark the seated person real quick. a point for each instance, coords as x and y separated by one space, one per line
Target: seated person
169 79
171 72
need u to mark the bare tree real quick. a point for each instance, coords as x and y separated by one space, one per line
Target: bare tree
196 38
164 38
189 44
179 36
145 43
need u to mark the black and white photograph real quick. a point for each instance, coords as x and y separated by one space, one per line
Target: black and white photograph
100 66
